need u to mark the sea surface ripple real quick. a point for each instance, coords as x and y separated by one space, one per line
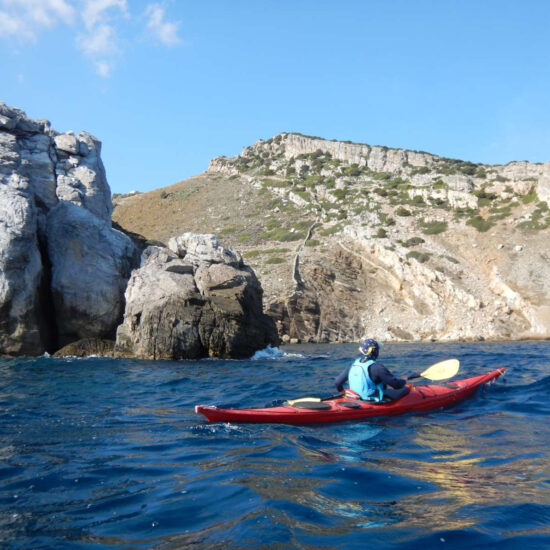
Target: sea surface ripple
102 453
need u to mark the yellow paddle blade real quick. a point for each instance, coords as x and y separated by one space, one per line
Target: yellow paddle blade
302 399
442 370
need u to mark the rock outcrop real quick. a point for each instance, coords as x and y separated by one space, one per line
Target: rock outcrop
194 299
63 269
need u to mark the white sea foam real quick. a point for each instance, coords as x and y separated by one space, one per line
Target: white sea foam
267 353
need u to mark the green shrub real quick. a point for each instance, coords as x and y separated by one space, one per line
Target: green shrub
433 227
482 194
272 223
275 250
339 194
282 235
480 173
480 224
304 195
331 230
420 170
274 183
530 197
381 233
413 241
534 225
385 219
418 256
381 191
401 211
440 202
382 175
463 212
499 213
439 184
353 170
313 242
451 259
243 237
275 260
342 214
313 181
227 231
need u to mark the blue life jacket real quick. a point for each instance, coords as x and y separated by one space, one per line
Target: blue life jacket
361 383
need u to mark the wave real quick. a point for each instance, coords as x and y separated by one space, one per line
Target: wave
276 353
507 385
267 353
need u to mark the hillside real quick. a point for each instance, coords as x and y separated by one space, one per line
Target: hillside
349 239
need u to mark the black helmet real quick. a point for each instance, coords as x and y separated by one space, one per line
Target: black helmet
370 348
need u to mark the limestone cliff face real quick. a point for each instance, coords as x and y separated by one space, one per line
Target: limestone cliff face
420 168
63 269
408 245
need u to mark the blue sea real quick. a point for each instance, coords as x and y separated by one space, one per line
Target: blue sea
99 453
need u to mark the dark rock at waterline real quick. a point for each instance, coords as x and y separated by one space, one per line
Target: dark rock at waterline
87 347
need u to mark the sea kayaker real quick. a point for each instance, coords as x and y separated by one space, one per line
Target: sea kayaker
369 379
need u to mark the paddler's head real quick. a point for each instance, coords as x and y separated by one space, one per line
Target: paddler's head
370 348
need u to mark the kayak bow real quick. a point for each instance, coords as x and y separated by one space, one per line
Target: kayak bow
421 398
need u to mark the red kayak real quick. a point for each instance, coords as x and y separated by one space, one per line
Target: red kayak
420 398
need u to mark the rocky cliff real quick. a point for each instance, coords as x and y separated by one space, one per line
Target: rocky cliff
64 270
351 239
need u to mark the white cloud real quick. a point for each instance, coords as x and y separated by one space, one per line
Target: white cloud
164 31
96 25
94 12
103 68
100 41
12 25
24 18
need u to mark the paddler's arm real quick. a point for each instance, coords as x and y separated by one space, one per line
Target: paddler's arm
380 374
341 379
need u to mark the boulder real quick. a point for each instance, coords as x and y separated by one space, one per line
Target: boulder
200 301
198 249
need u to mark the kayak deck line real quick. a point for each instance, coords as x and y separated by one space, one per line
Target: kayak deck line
429 397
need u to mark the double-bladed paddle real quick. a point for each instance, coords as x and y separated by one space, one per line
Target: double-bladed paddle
438 371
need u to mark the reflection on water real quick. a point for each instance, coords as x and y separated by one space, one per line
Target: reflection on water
109 453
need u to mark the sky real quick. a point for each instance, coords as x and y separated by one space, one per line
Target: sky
168 85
